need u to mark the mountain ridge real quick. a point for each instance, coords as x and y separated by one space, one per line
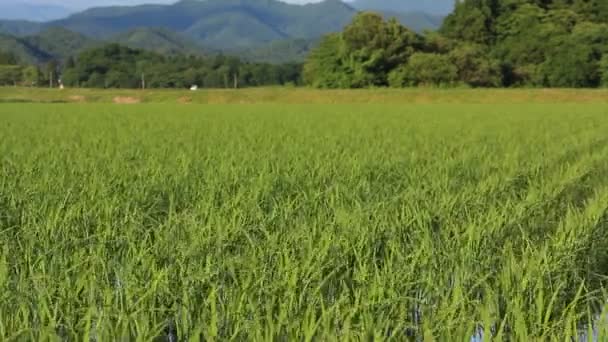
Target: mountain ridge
202 19
33 12
267 28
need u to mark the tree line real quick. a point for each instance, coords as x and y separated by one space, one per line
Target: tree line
12 72
483 43
116 66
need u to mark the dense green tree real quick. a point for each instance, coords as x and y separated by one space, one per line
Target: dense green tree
475 66
95 80
325 65
591 10
11 75
603 71
483 43
522 42
51 73
373 47
594 35
425 69
532 42
572 64
438 43
472 21
363 54
115 66
70 63
8 58
31 76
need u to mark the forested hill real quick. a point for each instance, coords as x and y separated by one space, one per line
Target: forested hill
483 43
116 66
54 43
57 44
223 24
217 23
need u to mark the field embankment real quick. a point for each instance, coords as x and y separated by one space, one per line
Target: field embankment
304 96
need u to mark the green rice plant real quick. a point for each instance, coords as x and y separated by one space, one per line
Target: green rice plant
420 222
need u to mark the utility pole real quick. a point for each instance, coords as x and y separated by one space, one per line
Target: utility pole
143 81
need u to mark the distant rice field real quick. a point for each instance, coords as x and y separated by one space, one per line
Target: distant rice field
421 220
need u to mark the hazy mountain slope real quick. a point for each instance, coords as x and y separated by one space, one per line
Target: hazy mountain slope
108 21
261 30
237 29
54 43
158 40
435 7
11 10
22 49
58 42
19 27
218 23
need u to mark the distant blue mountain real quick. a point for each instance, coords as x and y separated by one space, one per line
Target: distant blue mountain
268 30
229 24
11 10
434 7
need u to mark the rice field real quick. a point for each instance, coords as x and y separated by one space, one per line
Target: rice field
273 222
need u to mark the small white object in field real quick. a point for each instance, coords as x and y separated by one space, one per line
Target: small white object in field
194 87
